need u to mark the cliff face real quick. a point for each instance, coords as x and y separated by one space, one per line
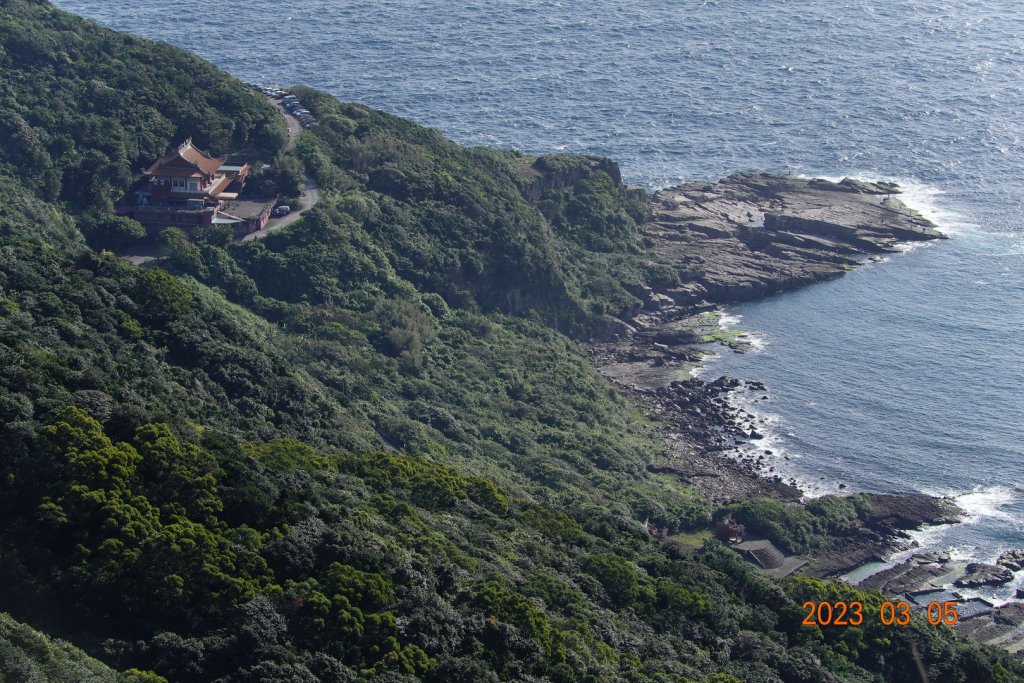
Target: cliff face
558 172
751 235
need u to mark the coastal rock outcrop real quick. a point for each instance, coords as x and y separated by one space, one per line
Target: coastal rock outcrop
746 236
883 531
751 235
891 513
1012 560
979 574
557 171
909 575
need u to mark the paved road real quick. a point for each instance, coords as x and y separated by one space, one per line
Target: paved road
310 194
310 197
294 127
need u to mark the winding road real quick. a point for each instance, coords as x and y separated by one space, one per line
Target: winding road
310 193
310 197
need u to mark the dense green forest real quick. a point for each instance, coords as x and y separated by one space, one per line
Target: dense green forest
367 447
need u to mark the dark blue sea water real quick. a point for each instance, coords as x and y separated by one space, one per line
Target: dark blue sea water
904 375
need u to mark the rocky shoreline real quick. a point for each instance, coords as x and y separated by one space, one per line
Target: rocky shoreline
742 238
752 235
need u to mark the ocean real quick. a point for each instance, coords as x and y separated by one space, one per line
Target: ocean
904 375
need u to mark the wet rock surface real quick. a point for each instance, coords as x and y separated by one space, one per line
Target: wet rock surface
1011 614
979 574
909 575
1003 627
1012 559
751 235
890 513
883 532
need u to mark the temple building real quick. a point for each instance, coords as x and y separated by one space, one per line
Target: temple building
188 188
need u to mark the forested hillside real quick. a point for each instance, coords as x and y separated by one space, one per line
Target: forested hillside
367 447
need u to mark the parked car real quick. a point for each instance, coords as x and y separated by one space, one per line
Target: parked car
282 210
270 91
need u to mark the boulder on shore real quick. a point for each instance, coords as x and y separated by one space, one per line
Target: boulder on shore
1012 560
979 574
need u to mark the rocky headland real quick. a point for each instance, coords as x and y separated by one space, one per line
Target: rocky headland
745 237
981 574
1012 559
751 235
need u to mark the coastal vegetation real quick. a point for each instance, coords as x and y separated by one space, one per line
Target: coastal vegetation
367 447
801 528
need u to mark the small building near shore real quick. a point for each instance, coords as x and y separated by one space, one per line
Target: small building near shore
730 531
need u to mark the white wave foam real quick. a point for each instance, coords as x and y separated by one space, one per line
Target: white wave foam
700 368
755 340
987 503
923 540
776 459
727 320
981 504
919 196
927 200
907 247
